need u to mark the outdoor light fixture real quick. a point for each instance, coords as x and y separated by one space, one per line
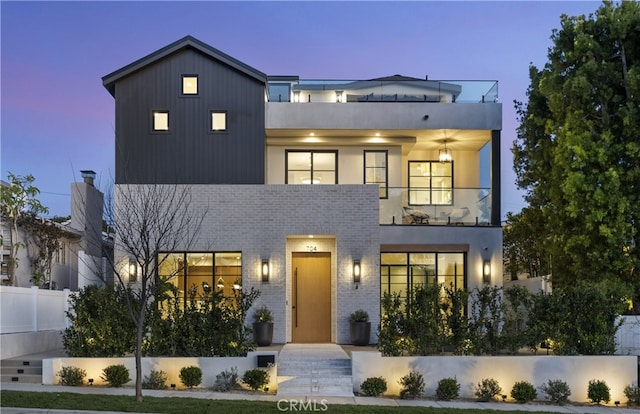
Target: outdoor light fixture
90 381
173 386
444 154
265 270
617 403
206 287
504 397
486 271
237 285
133 269
220 283
356 272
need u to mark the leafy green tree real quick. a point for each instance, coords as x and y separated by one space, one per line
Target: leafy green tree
578 148
18 198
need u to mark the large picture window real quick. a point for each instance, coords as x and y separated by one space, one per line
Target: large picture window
430 183
375 170
311 167
402 272
196 274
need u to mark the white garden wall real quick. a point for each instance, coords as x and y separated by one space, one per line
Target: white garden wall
576 371
210 367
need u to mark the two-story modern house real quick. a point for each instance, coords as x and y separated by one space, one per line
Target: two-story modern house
322 194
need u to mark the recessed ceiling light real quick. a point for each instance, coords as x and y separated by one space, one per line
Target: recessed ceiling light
312 134
377 134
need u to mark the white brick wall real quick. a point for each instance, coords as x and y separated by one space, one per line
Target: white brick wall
272 221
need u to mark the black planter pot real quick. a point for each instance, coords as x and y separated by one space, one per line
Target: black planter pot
263 333
360 333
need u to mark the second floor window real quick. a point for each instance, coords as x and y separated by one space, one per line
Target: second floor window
160 120
430 183
218 121
189 84
311 167
375 170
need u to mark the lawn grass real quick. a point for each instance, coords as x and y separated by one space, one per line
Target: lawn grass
72 401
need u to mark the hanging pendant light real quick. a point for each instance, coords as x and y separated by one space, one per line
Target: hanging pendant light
444 154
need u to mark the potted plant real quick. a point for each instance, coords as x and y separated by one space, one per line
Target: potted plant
359 328
262 326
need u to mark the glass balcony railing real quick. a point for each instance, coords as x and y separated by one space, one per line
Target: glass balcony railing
391 89
465 206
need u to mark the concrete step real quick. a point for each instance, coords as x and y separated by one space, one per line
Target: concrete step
308 385
309 369
17 370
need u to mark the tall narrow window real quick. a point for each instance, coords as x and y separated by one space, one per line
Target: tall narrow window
160 120
430 183
189 84
375 170
311 167
218 121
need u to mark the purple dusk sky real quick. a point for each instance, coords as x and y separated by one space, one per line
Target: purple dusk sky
57 118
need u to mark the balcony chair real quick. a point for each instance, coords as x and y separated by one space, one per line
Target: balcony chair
416 216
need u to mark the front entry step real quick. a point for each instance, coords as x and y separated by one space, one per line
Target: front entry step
18 370
314 369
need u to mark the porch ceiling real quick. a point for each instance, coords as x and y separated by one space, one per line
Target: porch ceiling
409 139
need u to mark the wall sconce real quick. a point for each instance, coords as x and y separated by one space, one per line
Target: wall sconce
220 283
486 271
133 269
237 285
265 271
356 272
444 154
206 288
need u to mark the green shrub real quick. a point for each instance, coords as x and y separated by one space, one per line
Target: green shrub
256 378
360 315
412 385
487 389
100 325
448 389
155 381
598 391
557 390
72 376
373 386
523 392
632 392
226 380
191 376
115 375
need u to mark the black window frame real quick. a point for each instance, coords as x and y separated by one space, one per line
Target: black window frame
189 75
226 121
286 164
386 171
153 121
430 189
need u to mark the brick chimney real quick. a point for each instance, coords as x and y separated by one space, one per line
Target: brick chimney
88 176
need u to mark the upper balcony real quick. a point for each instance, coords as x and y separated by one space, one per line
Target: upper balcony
389 89
398 104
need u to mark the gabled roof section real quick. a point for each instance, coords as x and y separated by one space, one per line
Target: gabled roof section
110 80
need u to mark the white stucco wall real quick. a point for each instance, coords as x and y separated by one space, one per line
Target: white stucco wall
171 366
576 371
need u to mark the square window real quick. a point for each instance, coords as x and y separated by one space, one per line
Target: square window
189 84
218 121
160 120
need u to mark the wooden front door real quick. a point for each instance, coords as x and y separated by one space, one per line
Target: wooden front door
311 297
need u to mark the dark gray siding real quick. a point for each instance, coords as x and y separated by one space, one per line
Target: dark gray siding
189 152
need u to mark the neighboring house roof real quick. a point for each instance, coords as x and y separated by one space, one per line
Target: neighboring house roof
110 80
